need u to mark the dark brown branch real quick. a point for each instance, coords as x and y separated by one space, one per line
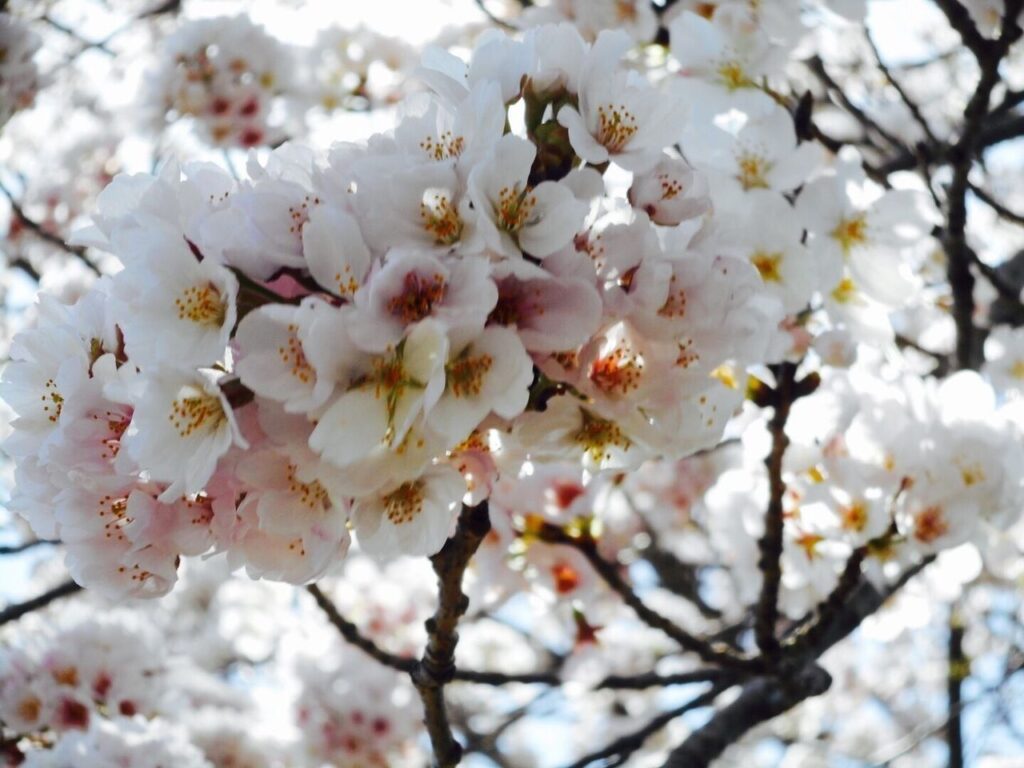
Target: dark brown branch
482 5
911 105
989 54
761 699
868 123
437 668
44 234
352 634
958 668
960 19
995 205
16 611
622 748
990 273
26 266
770 545
15 549
609 572
653 680
993 132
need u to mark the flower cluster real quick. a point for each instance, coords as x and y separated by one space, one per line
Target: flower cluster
63 678
368 341
19 75
899 470
227 74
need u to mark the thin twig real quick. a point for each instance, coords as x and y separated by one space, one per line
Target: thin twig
352 634
16 611
15 549
609 572
35 227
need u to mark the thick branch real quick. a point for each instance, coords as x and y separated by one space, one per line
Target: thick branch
761 699
16 611
654 680
989 54
437 668
622 748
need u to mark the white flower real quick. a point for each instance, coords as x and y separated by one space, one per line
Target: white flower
179 311
121 741
491 374
762 154
293 527
413 518
670 192
515 217
335 253
181 427
621 116
414 285
272 355
19 75
374 418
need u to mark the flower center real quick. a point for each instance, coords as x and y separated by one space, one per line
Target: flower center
767 264
670 188
294 358
514 208
597 436
53 401
440 218
466 374
444 147
404 503
566 578
615 126
675 304
845 291
200 411
851 233
311 495
855 516
202 305
809 542
418 297
732 75
753 170
930 524
618 372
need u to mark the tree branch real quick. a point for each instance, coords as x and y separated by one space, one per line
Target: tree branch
712 653
771 544
437 668
760 700
989 54
622 748
654 680
16 611
43 234
958 669
352 634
